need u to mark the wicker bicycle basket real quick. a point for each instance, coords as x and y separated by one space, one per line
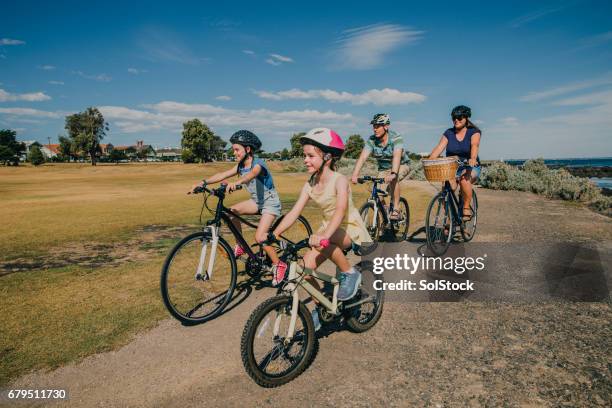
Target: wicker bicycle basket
441 169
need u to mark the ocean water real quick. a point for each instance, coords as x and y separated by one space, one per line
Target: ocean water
604 182
586 162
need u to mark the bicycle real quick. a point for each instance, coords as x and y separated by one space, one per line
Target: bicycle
199 275
279 342
375 213
445 213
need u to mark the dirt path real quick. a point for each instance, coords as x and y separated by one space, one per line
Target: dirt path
424 354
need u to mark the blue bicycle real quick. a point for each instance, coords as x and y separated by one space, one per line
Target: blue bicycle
444 214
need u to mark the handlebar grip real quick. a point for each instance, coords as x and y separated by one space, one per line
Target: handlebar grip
324 243
360 180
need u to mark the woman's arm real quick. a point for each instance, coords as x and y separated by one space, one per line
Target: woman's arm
395 164
342 196
295 212
475 146
435 153
362 158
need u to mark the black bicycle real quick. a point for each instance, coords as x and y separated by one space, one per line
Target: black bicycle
376 215
444 214
200 274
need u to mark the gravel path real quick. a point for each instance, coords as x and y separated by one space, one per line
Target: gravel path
468 353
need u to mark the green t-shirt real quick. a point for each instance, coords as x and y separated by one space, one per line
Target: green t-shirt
384 154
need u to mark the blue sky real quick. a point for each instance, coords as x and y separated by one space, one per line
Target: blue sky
538 75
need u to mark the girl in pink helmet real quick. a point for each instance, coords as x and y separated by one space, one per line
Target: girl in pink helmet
342 227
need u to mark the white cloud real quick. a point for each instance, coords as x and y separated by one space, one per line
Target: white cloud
9 41
276 59
248 52
136 71
30 112
98 77
170 115
56 82
223 98
29 97
534 15
164 45
576 86
378 97
510 121
47 67
366 47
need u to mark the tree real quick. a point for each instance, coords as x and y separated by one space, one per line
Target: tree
187 156
354 146
200 142
87 129
285 154
116 156
66 148
10 148
36 156
296 146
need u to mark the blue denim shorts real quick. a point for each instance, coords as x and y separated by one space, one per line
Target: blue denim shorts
271 203
475 173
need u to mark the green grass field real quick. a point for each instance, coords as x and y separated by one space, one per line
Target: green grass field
93 240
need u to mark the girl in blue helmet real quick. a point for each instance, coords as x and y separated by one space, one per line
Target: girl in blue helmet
255 175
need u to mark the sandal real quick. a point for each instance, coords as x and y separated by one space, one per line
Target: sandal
467 217
395 215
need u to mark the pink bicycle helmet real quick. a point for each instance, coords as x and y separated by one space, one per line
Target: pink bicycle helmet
325 139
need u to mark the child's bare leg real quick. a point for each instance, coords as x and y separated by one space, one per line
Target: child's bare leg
261 235
248 207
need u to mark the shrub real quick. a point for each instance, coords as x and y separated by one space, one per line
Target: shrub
36 156
537 178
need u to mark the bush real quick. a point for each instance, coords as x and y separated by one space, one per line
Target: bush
36 157
537 178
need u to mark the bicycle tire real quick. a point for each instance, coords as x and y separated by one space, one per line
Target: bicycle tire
433 236
401 233
468 231
303 360
188 277
354 322
301 219
375 232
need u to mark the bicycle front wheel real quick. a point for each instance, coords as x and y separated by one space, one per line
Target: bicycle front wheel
269 356
400 226
438 225
192 294
364 315
373 220
468 228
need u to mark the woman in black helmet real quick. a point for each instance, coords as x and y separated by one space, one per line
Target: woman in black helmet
462 140
255 175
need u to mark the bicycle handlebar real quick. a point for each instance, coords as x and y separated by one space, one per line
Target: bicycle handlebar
364 179
215 191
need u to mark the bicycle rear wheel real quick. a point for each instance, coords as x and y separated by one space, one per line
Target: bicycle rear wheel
468 228
438 225
268 356
373 220
365 315
400 226
195 299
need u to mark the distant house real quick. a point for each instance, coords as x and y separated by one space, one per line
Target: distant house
50 150
169 154
106 148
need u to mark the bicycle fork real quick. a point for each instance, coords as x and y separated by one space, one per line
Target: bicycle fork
213 237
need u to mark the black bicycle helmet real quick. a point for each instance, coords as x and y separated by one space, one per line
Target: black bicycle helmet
380 119
246 138
461 110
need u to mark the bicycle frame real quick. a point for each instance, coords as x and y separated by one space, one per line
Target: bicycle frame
455 202
375 198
